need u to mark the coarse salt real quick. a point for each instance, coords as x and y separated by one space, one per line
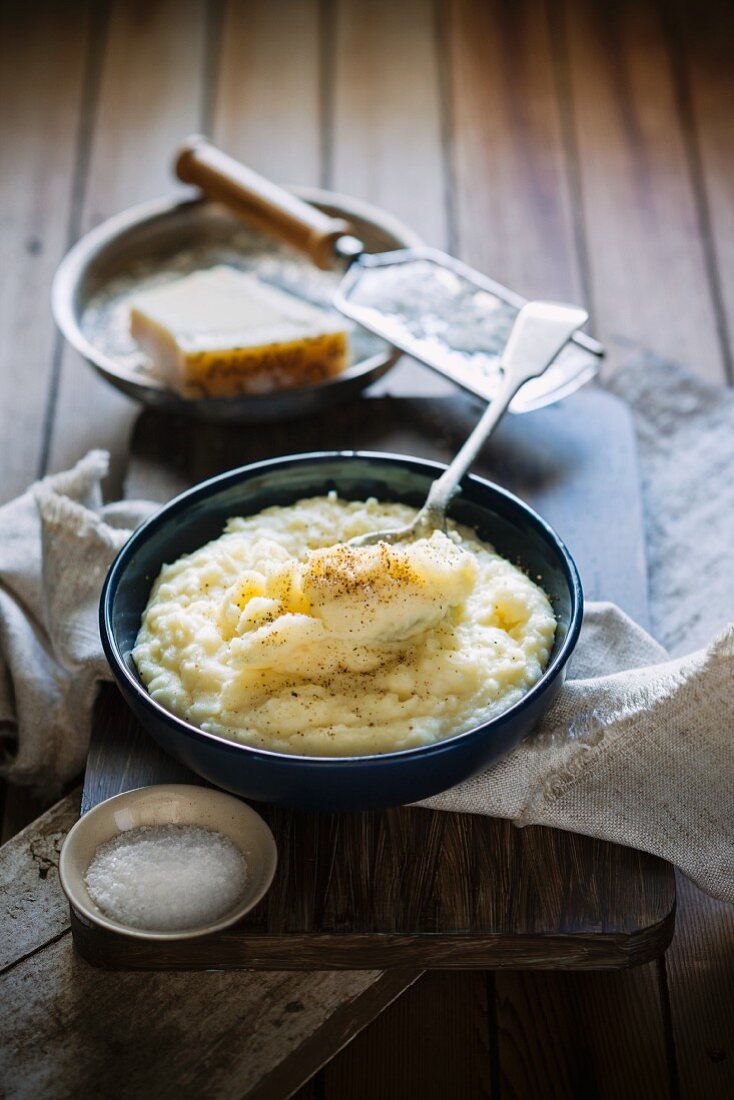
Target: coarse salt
166 878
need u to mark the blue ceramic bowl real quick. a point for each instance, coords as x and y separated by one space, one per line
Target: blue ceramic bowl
335 783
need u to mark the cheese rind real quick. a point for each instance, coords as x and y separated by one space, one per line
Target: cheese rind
221 333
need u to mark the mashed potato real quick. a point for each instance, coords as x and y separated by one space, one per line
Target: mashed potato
279 635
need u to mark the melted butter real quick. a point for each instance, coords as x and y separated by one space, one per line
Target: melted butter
368 595
382 593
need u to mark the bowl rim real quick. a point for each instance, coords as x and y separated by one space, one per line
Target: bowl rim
205 488
75 263
195 791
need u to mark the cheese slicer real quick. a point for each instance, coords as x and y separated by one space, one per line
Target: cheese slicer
433 307
540 330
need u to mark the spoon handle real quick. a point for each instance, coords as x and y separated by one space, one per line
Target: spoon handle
540 331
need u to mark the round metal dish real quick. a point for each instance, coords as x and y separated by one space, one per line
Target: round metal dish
172 234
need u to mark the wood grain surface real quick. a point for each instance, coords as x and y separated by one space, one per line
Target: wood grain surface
512 180
702 50
613 168
385 53
444 1014
249 105
377 55
153 54
65 1025
633 171
43 90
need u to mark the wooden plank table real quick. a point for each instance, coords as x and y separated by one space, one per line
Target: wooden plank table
573 148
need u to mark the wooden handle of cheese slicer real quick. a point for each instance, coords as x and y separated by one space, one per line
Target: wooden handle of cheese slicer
259 201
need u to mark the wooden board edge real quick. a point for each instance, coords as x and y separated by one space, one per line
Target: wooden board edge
340 951
334 1035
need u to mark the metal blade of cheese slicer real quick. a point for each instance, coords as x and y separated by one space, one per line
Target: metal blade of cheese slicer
435 308
456 321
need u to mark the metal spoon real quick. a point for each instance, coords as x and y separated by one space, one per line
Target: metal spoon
541 329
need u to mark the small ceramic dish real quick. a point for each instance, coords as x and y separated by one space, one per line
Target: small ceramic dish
169 804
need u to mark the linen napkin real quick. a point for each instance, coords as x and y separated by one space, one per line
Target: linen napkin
639 747
56 543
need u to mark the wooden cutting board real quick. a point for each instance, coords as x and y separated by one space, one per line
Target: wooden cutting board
411 888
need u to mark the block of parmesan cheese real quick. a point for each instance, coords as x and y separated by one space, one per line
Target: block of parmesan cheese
220 333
